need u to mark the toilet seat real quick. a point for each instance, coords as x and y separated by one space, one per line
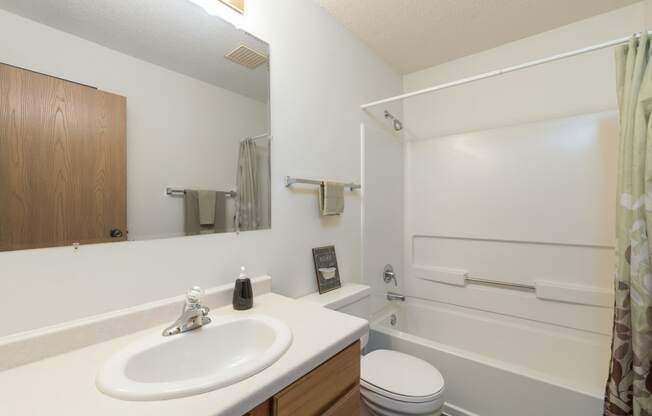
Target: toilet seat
398 397
400 383
400 376
383 406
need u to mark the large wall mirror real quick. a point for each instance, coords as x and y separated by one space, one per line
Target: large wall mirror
129 122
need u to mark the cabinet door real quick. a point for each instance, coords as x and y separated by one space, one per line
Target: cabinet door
264 409
62 162
347 405
318 391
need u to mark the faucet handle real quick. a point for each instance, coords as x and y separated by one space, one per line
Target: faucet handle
194 294
389 275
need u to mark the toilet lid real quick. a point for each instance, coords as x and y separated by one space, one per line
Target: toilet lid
400 376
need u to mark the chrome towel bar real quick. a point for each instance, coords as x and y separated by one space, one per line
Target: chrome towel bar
289 181
181 192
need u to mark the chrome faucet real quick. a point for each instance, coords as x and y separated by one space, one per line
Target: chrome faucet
395 296
193 316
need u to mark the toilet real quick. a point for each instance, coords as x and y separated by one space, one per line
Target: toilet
391 383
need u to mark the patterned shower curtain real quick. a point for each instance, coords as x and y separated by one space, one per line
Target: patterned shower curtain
629 387
247 183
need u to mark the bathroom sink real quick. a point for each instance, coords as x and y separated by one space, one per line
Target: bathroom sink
226 351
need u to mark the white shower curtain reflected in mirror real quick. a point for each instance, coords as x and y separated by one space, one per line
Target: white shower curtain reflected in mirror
247 213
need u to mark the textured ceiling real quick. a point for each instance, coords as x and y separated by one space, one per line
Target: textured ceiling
416 34
174 34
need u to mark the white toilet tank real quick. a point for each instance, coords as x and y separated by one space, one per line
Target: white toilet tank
352 299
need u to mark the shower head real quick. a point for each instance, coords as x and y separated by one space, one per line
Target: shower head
398 125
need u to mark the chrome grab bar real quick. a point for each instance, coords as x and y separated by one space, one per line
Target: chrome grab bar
481 281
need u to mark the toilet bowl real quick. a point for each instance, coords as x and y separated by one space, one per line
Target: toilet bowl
391 383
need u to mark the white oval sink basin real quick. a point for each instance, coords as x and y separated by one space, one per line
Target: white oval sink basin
228 350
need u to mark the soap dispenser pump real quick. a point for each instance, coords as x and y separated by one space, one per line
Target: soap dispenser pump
243 294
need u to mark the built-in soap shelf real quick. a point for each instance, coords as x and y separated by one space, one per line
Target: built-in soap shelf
543 289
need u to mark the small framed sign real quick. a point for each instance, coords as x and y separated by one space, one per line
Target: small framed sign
328 274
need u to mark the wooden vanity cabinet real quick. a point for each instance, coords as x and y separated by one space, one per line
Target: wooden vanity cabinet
332 389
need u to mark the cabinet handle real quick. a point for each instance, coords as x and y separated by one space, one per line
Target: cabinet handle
116 233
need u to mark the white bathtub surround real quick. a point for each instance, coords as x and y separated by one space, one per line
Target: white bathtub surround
26 347
548 371
530 225
65 384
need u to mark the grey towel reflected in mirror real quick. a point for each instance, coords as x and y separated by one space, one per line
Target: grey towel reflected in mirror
205 212
191 224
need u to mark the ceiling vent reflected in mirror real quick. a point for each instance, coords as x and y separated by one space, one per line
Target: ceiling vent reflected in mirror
247 57
237 5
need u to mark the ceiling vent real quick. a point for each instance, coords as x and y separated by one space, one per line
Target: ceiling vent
246 56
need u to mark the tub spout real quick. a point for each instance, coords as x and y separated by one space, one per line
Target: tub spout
395 296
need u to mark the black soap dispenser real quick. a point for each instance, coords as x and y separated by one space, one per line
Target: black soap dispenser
243 294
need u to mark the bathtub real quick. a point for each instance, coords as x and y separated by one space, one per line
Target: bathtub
495 365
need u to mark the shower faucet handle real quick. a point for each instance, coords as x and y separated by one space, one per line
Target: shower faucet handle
389 275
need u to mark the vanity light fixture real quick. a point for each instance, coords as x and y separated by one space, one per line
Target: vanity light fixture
237 5
230 10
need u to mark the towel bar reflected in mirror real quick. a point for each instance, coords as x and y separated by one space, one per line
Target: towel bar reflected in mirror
181 192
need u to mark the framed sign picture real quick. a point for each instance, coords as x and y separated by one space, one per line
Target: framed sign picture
328 274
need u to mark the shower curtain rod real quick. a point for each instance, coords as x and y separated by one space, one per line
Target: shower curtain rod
498 72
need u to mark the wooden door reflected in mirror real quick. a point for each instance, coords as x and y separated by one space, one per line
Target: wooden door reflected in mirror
62 162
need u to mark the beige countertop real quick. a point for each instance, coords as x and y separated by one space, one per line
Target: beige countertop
65 384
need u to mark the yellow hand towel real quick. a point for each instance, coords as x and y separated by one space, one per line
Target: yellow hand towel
331 198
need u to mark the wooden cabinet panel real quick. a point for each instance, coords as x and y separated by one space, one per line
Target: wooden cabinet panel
347 405
316 392
264 409
62 162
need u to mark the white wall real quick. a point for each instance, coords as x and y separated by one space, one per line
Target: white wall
383 159
181 132
320 74
524 193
